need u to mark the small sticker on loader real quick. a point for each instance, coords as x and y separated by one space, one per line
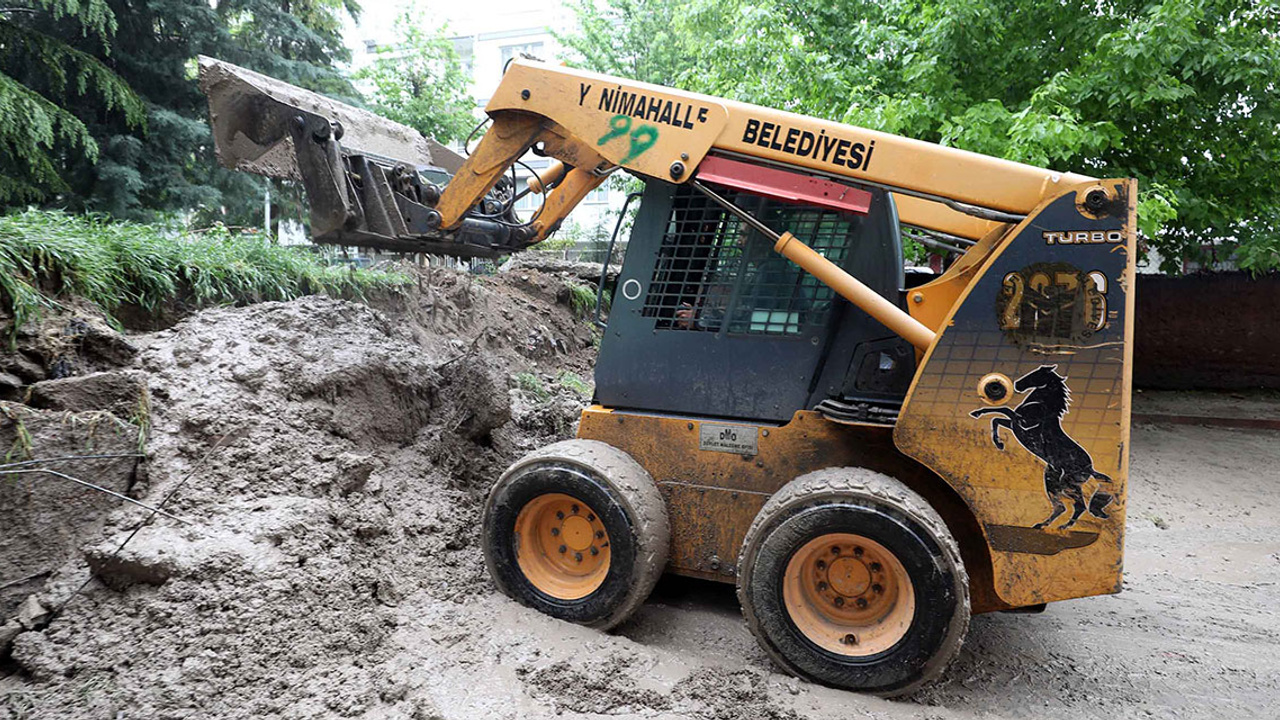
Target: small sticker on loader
736 439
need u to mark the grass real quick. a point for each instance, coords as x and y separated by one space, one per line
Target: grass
582 300
46 255
571 381
531 384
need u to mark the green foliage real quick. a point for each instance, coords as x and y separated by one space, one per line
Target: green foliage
48 255
637 39
42 80
582 300
572 382
1177 93
532 384
420 81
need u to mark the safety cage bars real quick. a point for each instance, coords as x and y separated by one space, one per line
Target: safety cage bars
714 273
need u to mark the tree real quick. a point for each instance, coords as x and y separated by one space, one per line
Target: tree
420 81
42 79
160 161
1177 93
638 39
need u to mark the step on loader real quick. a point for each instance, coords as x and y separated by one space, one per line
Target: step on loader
870 455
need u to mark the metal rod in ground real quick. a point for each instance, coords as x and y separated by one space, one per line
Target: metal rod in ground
68 458
99 488
145 521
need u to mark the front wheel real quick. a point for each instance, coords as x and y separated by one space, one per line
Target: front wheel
849 578
577 530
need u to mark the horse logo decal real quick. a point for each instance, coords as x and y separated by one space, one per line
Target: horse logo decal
1037 424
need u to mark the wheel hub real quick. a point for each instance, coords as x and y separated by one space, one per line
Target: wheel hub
562 546
848 594
848 577
577 532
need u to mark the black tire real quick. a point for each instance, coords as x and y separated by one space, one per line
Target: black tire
875 506
628 504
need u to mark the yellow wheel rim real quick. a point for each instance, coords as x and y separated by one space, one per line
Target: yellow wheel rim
849 595
561 546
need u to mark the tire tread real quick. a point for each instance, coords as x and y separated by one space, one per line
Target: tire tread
859 482
639 494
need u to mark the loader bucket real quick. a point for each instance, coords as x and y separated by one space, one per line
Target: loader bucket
250 114
370 182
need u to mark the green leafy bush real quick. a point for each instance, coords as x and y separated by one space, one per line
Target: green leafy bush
48 255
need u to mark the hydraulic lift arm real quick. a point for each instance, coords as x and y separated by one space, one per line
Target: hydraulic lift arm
372 182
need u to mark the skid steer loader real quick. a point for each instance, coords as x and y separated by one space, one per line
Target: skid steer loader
870 456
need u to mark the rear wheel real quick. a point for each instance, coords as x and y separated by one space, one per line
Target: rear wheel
849 578
577 530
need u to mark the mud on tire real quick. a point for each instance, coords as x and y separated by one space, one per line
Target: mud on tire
878 517
583 499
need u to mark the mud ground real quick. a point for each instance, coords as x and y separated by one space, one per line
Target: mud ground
330 460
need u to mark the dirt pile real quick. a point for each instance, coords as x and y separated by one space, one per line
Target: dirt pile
61 394
44 514
74 338
328 460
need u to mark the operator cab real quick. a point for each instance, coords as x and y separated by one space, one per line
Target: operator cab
708 320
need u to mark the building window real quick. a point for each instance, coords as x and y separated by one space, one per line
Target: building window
514 51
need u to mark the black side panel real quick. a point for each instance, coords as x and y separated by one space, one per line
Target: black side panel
878 263
708 320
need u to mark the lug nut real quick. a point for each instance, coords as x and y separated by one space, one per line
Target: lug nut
875 567
559 515
835 550
578 557
839 601
877 589
849 639
821 564
574 509
822 587
555 531
600 534
861 603
595 550
564 549
591 517
857 552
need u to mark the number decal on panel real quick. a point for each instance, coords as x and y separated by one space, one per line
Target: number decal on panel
1052 304
642 137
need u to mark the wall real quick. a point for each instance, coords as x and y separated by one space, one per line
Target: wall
1212 331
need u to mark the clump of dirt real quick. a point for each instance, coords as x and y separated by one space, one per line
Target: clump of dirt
72 338
605 687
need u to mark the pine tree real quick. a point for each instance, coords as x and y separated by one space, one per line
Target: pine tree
160 160
42 80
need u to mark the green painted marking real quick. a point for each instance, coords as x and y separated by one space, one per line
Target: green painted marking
642 138
620 125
